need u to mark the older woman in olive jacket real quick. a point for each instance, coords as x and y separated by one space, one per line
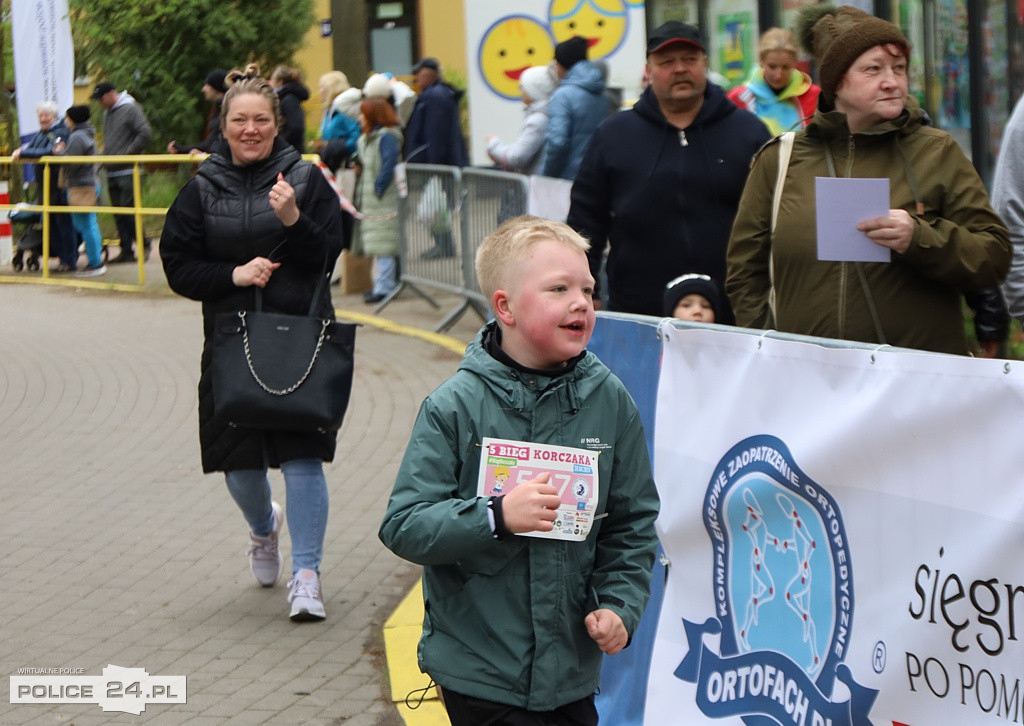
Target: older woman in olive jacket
943 236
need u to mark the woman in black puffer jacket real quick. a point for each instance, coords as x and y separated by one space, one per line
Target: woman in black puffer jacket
257 216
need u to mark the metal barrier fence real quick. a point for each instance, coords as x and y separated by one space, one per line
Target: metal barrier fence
447 213
431 254
491 197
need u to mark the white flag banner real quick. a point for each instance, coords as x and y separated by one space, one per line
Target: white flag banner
845 530
44 58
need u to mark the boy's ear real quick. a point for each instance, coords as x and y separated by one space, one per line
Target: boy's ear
500 304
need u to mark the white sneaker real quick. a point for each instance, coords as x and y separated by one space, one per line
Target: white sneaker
265 553
304 595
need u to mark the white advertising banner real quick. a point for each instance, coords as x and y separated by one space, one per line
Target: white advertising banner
844 530
503 39
549 198
44 58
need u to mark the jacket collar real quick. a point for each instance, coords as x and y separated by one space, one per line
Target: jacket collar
507 381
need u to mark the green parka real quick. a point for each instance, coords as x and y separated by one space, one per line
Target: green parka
959 242
503 618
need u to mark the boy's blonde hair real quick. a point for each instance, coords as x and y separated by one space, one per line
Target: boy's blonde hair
506 247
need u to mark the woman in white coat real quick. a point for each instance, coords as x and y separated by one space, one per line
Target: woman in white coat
526 154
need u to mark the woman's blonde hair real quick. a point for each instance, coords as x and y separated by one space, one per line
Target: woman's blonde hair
335 82
504 249
776 39
249 80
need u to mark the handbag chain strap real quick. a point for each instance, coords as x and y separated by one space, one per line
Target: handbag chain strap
252 370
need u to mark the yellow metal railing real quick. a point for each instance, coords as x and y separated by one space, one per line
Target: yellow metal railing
138 211
48 162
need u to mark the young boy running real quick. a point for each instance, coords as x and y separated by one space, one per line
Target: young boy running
525 589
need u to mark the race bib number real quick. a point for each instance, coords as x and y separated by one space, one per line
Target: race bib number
573 472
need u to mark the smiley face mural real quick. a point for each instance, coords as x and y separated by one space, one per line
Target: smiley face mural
510 46
604 23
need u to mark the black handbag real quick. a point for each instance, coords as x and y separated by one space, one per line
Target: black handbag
284 372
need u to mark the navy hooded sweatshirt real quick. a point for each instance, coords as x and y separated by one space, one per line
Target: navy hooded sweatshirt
664 198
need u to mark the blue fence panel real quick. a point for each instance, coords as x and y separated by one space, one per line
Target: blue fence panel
630 347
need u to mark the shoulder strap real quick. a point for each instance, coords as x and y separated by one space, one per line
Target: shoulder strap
785 152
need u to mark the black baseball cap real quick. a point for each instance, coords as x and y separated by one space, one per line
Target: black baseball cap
674 32
102 90
427 62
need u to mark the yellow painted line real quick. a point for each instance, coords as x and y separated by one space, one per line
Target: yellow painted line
72 282
409 611
445 341
402 632
427 713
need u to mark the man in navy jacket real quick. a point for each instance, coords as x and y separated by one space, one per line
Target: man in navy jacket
434 135
661 181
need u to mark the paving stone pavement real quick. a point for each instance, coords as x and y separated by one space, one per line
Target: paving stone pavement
116 549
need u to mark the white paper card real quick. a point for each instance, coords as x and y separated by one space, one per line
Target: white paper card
841 204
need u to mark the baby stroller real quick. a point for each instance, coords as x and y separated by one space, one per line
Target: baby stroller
30 241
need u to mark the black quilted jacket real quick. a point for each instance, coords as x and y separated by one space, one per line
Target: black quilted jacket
221 219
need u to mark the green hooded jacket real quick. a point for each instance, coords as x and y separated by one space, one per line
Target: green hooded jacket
503 618
959 243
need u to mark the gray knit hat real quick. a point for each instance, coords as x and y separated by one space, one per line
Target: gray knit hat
837 36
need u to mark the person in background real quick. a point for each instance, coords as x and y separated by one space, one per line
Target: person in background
126 131
778 92
612 95
82 186
256 216
694 297
576 109
377 196
434 133
660 182
213 91
339 132
525 154
63 244
941 235
434 136
287 82
1008 201
991 321
396 92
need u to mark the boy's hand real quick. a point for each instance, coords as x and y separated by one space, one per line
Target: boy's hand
531 506
606 628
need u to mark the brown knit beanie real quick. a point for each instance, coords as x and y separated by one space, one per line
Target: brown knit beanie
837 36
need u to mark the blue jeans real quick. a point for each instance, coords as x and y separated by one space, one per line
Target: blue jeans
86 225
306 489
386 279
